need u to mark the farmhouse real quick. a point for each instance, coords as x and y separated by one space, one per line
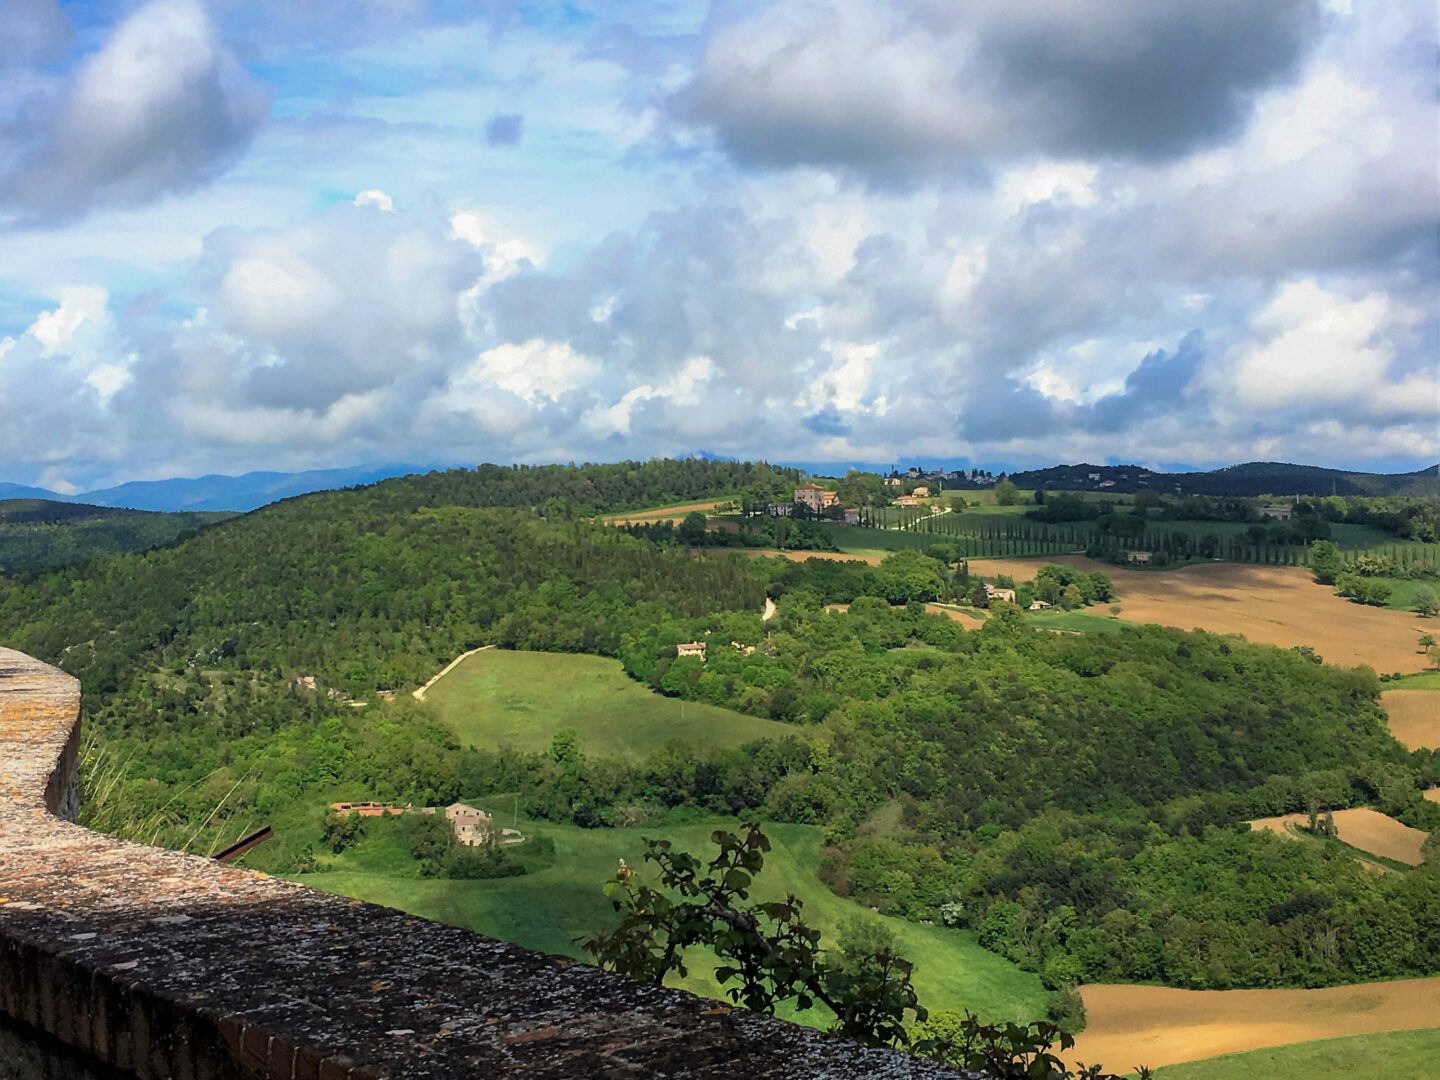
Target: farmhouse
1279 513
471 826
993 593
894 481
1040 605
1141 557
691 648
921 492
815 497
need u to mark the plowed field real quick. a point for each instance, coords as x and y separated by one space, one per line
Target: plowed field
1279 605
1414 717
1363 828
1155 1025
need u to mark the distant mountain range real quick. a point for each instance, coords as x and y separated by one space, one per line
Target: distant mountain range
255 489
239 493
1250 479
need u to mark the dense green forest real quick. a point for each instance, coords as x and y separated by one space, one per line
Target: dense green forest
38 534
1079 801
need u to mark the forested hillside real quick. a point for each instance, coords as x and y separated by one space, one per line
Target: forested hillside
1079 801
1235 481
37 534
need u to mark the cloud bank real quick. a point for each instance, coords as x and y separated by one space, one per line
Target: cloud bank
1016 233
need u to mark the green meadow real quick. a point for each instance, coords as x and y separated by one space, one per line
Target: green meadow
1395 1055
560 901
521 699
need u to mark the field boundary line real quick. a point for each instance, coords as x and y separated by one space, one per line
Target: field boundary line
419 695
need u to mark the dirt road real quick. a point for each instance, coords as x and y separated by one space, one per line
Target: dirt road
419 695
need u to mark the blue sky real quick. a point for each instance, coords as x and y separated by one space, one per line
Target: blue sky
240 234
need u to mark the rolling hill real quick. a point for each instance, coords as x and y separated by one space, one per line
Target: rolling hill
39 534
1247 480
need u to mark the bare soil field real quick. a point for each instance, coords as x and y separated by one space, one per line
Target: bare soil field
1363 828
667 513
1156 1025
1278 605
1433 794
801 556
963 617
1414 717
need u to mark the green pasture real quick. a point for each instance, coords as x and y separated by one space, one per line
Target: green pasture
1424 680
1395 1055
1402 593
557 904
521 699
1093 620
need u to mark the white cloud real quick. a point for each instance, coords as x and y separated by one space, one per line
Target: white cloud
533 370
682 389
376 198
272 292
1021 187
505 253
56 330
1313 347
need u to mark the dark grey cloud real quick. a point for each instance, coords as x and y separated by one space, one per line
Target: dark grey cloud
504 129
1158 386
162 107
827 421
898 91
1113 77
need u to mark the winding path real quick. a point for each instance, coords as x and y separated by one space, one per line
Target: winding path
419 695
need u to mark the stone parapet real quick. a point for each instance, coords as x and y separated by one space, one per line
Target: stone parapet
150 963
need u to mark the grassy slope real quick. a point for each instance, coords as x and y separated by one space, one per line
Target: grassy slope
1095 620
550 908
1400 1055
1402 593
1425 680
520 699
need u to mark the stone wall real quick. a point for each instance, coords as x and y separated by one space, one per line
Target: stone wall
126 960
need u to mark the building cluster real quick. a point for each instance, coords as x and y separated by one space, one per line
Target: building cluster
819 501
469 825
974 478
